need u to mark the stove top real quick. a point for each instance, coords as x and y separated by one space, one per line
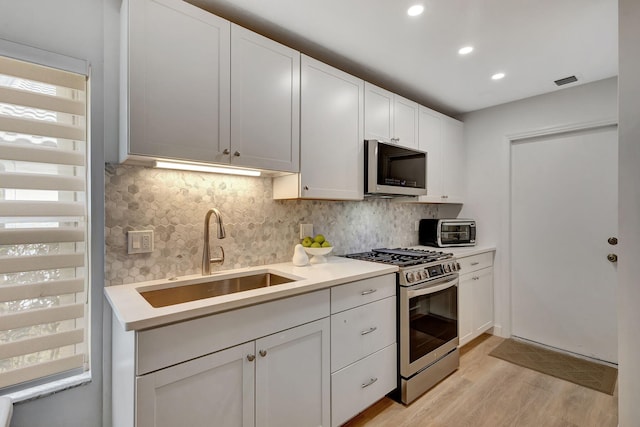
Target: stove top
402 257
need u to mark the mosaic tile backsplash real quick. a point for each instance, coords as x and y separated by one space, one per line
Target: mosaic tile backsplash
259 230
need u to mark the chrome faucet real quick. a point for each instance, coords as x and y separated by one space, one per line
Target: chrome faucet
206 252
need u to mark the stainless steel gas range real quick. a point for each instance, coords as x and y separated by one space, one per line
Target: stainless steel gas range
427 316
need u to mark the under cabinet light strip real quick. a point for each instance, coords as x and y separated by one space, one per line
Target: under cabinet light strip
206 168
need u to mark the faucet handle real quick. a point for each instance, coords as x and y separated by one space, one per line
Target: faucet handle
218 260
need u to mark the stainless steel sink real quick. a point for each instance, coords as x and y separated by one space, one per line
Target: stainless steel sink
212 288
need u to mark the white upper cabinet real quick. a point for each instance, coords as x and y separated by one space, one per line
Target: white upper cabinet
442 138
454 160
390 117
265 102
331 142
175 87
405 121
206 90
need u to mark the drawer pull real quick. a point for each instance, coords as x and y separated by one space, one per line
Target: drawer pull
475 263
368 383
368 331
370 291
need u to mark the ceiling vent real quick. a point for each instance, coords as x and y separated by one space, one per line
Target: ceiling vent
566 80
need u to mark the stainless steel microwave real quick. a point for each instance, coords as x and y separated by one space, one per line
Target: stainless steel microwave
447 232
393 170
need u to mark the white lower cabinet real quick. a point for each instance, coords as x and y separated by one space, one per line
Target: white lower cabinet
363 345
475 296
285 374
316 359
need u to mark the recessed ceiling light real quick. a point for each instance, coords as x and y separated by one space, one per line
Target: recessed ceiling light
497 76
415 10
465 50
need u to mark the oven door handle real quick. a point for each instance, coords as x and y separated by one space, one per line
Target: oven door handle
432 289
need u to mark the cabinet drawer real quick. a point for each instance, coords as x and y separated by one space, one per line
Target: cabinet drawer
475 262
197 337
358 332
353 294
361 384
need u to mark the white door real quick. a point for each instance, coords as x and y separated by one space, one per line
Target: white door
292 377
564 207
217 389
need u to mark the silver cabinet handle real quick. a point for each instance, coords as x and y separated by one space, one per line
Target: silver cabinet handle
475 263
612 257
368 331
237 154
368 383
476 278
370 291
226 151
612 240
263 353
251 357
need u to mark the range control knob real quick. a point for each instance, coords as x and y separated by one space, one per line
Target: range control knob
410 278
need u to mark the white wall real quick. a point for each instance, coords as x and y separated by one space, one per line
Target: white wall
629 214
488 164
75 28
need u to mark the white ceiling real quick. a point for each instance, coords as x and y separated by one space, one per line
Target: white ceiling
534 42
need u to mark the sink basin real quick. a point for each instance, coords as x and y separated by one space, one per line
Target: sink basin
212 288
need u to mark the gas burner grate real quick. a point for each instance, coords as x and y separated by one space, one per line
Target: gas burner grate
402 257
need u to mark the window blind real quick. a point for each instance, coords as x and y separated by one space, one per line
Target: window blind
43 222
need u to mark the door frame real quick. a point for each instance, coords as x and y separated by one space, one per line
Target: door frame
505 329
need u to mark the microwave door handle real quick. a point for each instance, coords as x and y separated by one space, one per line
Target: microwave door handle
431 289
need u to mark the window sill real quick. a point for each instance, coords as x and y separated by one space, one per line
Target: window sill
50 388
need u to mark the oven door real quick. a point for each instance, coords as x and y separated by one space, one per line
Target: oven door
428 323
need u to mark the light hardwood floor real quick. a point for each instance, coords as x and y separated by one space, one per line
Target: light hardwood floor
489 392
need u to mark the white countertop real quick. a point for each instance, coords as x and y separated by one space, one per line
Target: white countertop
460 251
135 313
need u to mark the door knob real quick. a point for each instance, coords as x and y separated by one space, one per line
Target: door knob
612 257
263 353
612 240
226 151
251 357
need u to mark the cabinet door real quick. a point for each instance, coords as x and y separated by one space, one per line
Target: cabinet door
178 81
292 377
378 113
215 389
265 102
454 160
465 308
430 137
332 147
405 122
483 300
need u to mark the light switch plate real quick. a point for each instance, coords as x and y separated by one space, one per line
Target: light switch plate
306 230
140 242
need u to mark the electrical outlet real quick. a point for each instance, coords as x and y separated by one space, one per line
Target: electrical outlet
140 242
306 230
